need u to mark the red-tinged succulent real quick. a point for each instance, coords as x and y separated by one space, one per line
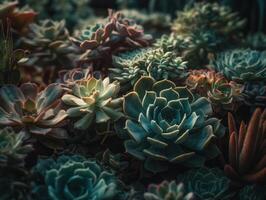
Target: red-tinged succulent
37 113
19 18
247 155
214 86
102 40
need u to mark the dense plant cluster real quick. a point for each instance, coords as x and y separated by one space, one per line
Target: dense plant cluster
133 105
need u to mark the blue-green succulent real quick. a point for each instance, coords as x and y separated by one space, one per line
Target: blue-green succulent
241 65
207 184
73 178
168 191
167 124
252 192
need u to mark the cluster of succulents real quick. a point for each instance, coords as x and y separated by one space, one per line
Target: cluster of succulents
214 86
91 107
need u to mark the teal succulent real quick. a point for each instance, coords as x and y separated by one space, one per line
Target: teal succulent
207 184
252 192
12 149
74 177
167 191
256 41
166 124
93 99
254 94
241 65
36 112
152 62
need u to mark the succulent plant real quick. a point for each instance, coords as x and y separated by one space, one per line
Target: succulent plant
167 190
256 41
93 99
166 124
254 94
252 192
241 65
19 18
12 149
49 46
207 184
246 149
130 66
37 113
101 41
211 16
74 177
214 86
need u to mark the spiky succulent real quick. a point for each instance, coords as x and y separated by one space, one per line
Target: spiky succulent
130 66
246 149
12 149
166 124
49 45
214 86
211 16
34 112
252 192
207 184
256 41
167 190
93 99
74 177
118 34
19 18
241 65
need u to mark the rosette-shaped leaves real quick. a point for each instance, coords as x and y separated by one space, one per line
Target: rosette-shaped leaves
254 94
247 157
12 149
252 192
171 42
49 45
241 65
37 113
214 86
167 125
74 177
152 62
207 184
93 99
211 16
167 190
101 41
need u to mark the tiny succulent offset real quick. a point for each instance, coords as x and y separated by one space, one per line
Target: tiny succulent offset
75 177
37 113
168 190
167 124
207 184
241 65
93 99
246 149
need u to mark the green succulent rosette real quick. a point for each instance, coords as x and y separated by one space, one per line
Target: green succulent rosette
166 124
241 65
167 190
74 177
207 184
93 99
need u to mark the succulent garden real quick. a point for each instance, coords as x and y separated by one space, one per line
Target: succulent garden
163 100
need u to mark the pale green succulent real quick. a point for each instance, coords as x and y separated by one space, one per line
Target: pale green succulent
241 65
166 124
93 99
168 191
129 67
